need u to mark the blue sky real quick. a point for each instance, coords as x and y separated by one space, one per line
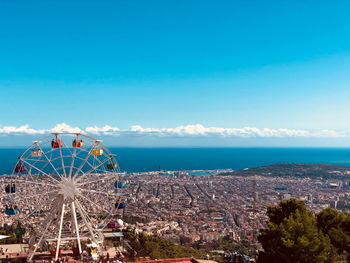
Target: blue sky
167 64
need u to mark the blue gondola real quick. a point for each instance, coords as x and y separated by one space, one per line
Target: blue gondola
11 211
120 205
119 184
10 188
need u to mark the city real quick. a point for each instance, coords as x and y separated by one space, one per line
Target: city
191 209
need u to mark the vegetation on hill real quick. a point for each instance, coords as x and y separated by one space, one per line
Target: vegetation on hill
295 234
244 246
14 233
158 248
326 171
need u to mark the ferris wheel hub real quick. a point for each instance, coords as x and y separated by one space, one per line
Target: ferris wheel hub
68 188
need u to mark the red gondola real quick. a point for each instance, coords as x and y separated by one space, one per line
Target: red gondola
56 143
20 168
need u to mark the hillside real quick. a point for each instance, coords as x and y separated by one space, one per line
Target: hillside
158 248
325 171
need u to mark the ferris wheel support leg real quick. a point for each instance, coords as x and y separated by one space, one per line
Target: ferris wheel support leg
39 242
49 221
76 226
59 233
86 222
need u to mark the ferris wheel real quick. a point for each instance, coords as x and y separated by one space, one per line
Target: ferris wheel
65 188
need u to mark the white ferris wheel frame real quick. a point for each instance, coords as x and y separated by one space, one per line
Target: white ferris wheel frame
69 185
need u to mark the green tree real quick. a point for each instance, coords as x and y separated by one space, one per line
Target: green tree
346 230
293 236
331 223
158 248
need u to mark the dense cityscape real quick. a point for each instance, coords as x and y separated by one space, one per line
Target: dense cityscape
190 209
194 208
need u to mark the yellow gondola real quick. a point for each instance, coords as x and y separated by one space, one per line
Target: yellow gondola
97 151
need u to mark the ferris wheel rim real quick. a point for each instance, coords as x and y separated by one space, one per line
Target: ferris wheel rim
37 142
103 174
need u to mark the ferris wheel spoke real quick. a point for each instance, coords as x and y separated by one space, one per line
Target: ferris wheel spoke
58 158
36 160
30 178
98 192
30 182
82 164
37 245
49 160
88 164
93 169
25 185
33 182
33 212
100 178
67 147
96 159
73 160
86 220
94 203
49 221
39 194
62 162
49 176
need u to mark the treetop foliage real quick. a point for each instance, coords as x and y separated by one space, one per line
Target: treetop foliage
297 235
158 248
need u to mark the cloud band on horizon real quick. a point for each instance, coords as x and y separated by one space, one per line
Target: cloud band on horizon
183 130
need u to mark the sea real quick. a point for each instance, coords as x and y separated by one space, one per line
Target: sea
170 159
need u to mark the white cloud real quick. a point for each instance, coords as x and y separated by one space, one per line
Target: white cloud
138 128
187 130
107 130
63 127
200 130
24 129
